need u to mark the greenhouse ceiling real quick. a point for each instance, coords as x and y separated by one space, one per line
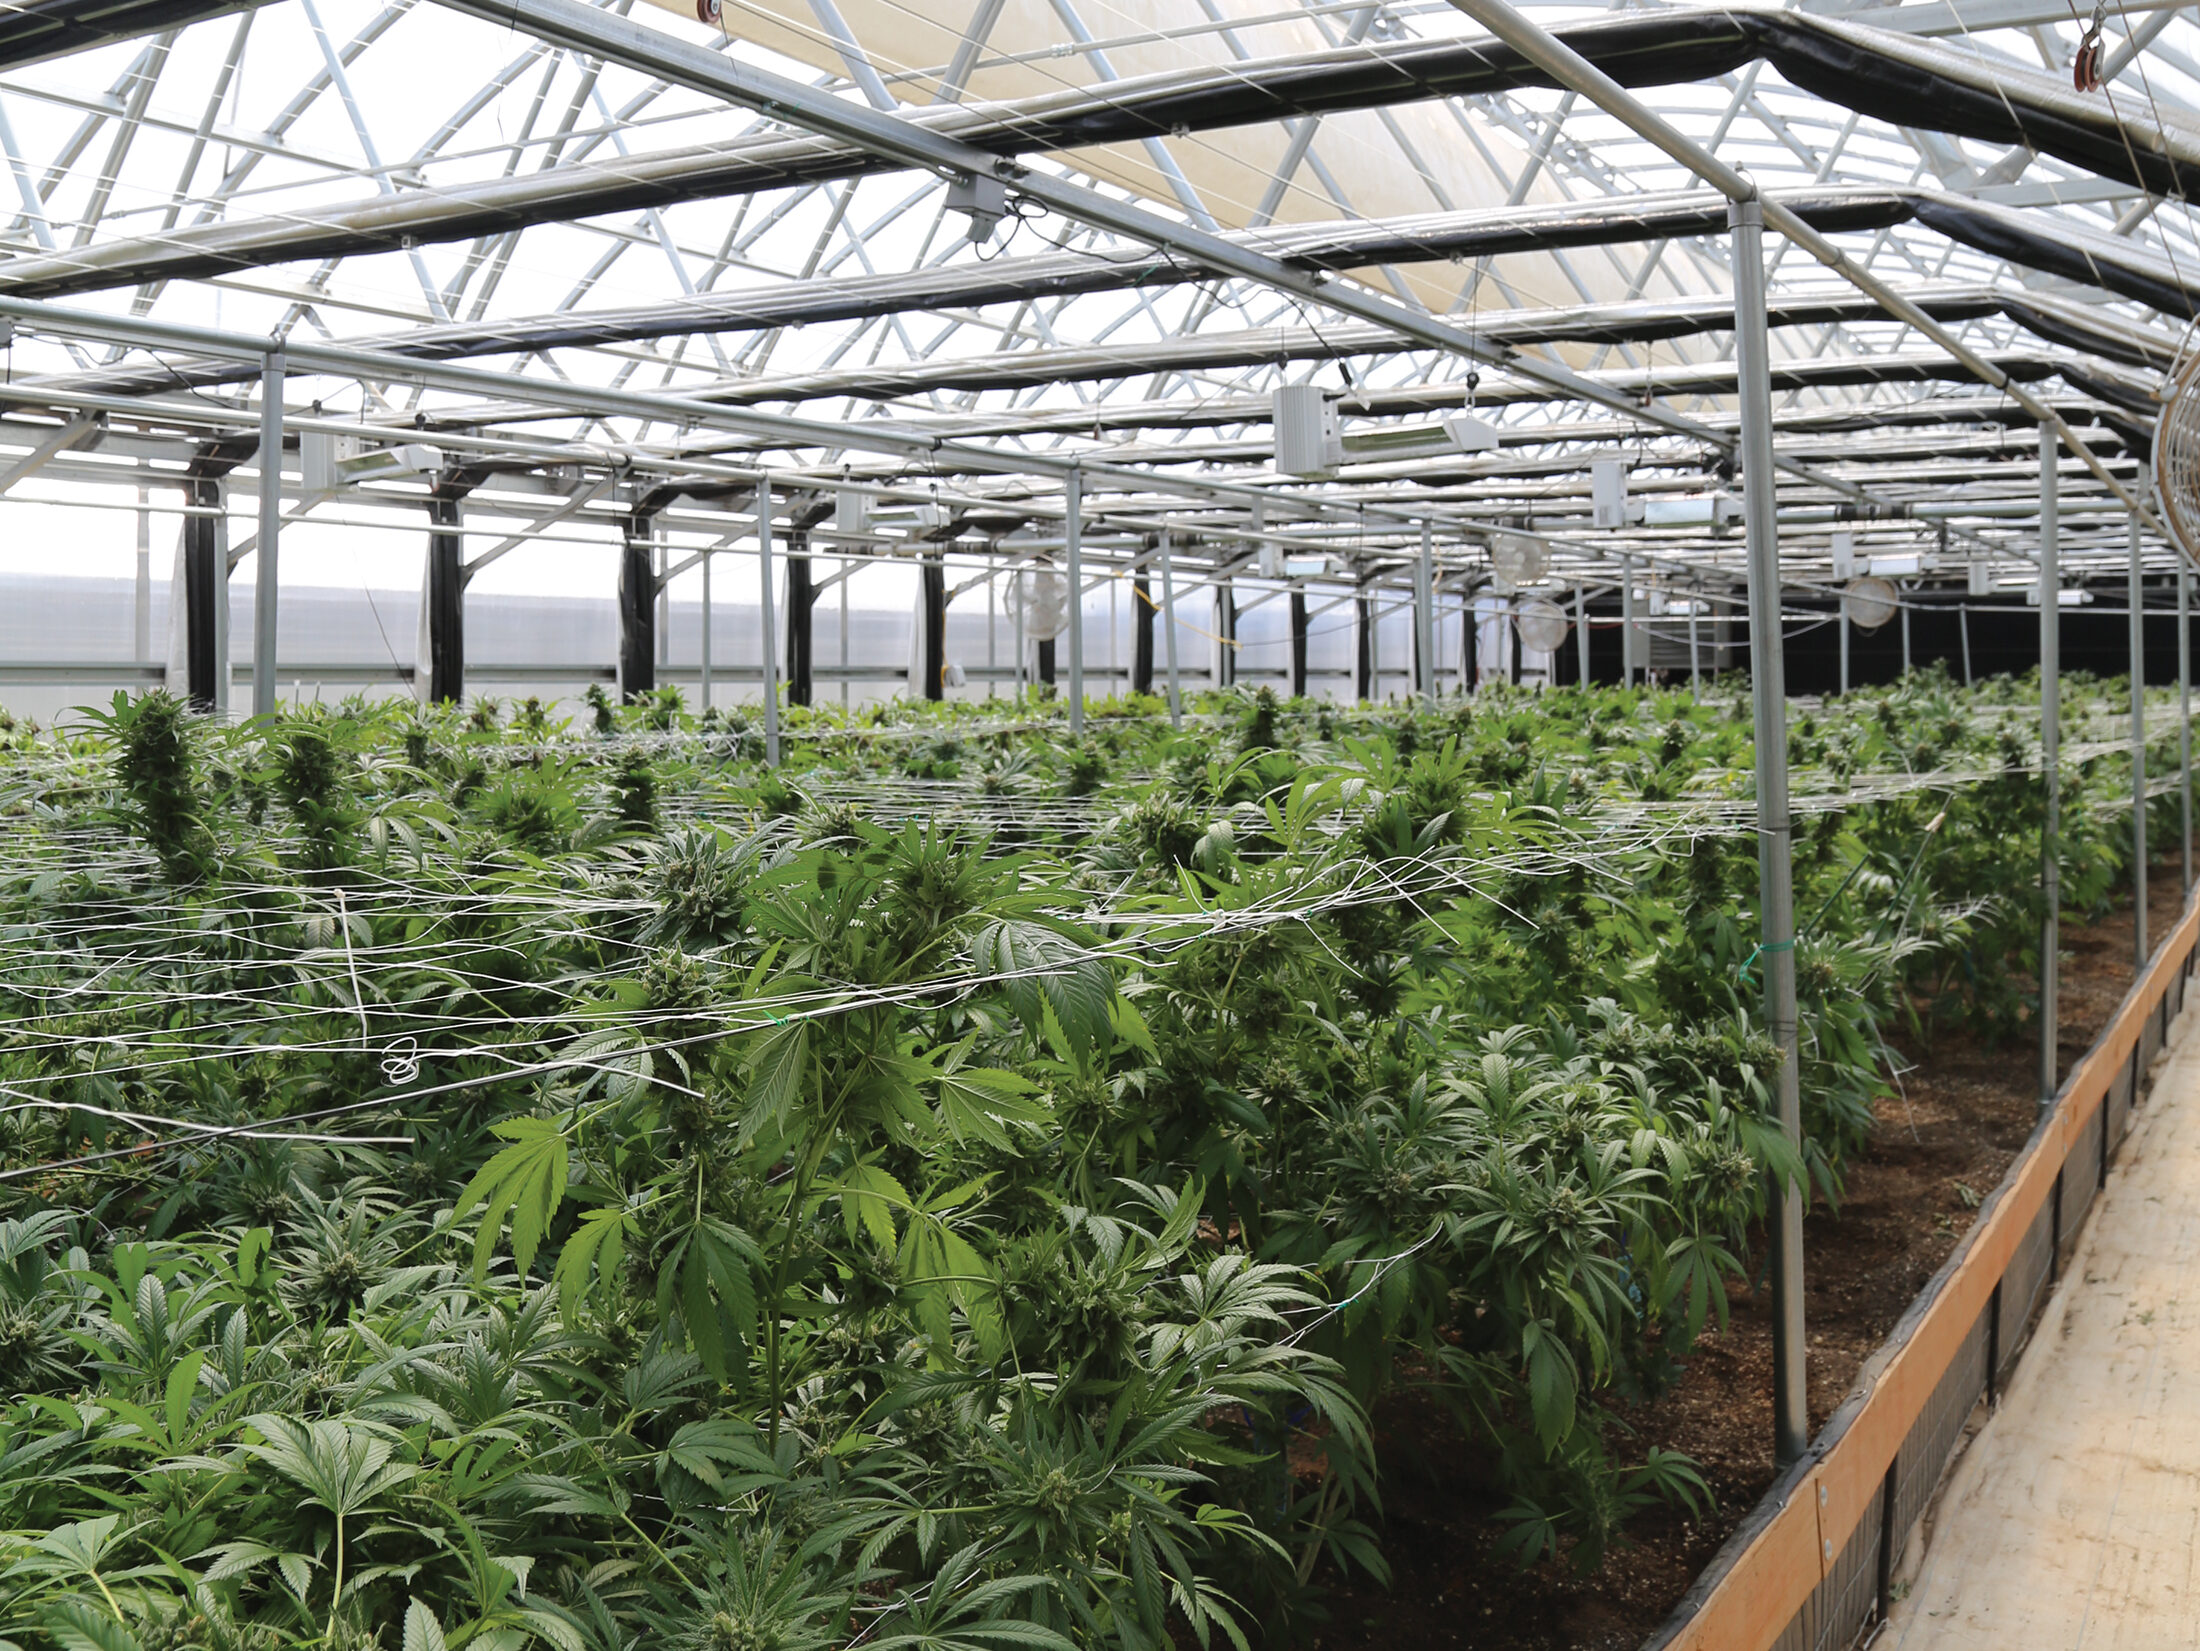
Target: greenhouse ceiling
597 260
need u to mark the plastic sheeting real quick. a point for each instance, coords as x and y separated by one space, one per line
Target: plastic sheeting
1888 76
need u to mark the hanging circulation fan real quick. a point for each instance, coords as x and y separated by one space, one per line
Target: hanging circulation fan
1039 599
1870 603
1542 625
1518 561
2177 453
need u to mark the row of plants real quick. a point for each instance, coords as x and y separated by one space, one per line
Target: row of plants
473 1178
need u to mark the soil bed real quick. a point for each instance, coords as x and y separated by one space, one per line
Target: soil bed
1964 1112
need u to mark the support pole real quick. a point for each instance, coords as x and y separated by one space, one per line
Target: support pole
440 674
1168 633
1626 621
267 598
1424 615
770 625
801 601
1226 630
1841 612
637 608
2050 765
703 659
1073 555
1963 625
1581 631
1695 654
1775 867
2138 761
144 653
1905 602
2184 722
1298 642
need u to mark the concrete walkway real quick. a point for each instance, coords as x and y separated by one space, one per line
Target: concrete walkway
2074 1519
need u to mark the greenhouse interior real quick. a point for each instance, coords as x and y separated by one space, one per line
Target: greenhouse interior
1044 824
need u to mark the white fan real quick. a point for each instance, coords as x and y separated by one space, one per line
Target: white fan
1542 625
1870 603
1518 561
2177 454
1040 598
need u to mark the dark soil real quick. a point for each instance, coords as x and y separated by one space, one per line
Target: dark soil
1964 1111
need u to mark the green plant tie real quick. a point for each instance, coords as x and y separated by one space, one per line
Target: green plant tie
1763 946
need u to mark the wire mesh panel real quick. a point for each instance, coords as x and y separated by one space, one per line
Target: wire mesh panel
1938 1430
2022 1286
2082 1170
1842 1603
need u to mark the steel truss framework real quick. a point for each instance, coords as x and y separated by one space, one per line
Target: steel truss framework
1028 282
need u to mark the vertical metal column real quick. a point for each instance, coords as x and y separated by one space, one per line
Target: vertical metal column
1298 642
1424 616
1841 620
2184 721
1695 655
2138 761
2050 762
1775 867
440 678
1626 621
1903 598
770 625
801 600
637 607
1581 631
144 653
1168 632
660 560
1226 628
266 600
1073 554
1963 624
703 659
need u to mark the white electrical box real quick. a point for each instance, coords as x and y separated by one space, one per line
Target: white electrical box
1271 561
317 461
1309 438
1844 555
851 512
1608 492
1982 577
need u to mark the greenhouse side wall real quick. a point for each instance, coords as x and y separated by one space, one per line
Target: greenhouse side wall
1811 1566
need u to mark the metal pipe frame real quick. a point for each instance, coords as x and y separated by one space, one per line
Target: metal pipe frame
1775 858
